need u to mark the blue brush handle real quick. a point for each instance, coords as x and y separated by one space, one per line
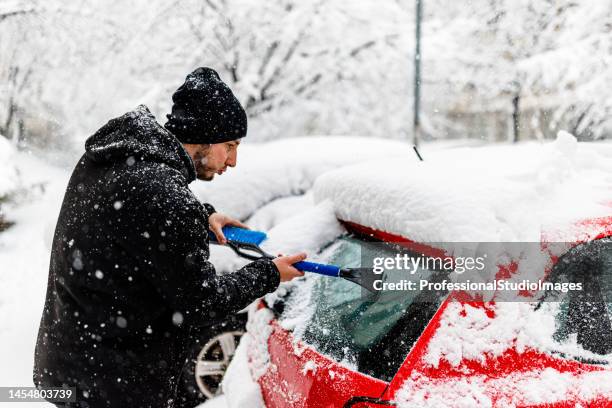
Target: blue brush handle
321 269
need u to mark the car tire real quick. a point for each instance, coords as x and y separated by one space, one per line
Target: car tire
209 357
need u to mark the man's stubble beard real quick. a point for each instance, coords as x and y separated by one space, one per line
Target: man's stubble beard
202 171
204 175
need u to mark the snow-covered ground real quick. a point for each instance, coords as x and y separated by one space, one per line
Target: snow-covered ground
8 173
24 261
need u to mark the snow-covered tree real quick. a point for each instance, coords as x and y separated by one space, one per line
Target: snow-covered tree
552 56
312 66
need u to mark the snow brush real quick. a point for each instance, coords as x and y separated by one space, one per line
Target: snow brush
245 243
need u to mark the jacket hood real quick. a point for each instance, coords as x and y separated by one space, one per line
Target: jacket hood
137 134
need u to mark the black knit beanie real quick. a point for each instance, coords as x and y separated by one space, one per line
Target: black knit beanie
205 111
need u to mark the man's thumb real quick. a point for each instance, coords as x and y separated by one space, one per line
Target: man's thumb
298 257
219 234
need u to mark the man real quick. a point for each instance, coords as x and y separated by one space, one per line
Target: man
129 274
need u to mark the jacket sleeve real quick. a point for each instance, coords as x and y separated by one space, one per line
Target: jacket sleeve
175 245
209 209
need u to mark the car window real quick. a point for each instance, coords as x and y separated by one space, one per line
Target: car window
371 331
583 319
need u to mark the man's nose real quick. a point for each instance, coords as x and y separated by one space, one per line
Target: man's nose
232 159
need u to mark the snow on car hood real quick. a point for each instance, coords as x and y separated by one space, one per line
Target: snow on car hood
504 193
271 170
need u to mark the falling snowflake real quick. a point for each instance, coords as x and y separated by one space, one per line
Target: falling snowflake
177 318
121 322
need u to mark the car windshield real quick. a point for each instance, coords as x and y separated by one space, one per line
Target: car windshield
583 319
372 331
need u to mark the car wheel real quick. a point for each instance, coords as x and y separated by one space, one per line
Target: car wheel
213 360
201 378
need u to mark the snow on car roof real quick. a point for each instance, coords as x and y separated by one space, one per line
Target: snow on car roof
502 193
286 167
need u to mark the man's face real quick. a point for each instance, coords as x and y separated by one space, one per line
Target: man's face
213 159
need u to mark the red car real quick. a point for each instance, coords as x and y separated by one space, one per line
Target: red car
447 350
391 346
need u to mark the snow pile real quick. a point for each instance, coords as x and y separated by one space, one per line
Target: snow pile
279 210
524 389
240 390
308 231
259 328
283 168
506 193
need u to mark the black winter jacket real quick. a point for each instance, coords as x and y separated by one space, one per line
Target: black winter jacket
129 274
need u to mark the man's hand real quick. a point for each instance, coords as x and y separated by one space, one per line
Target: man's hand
216 221
284 264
